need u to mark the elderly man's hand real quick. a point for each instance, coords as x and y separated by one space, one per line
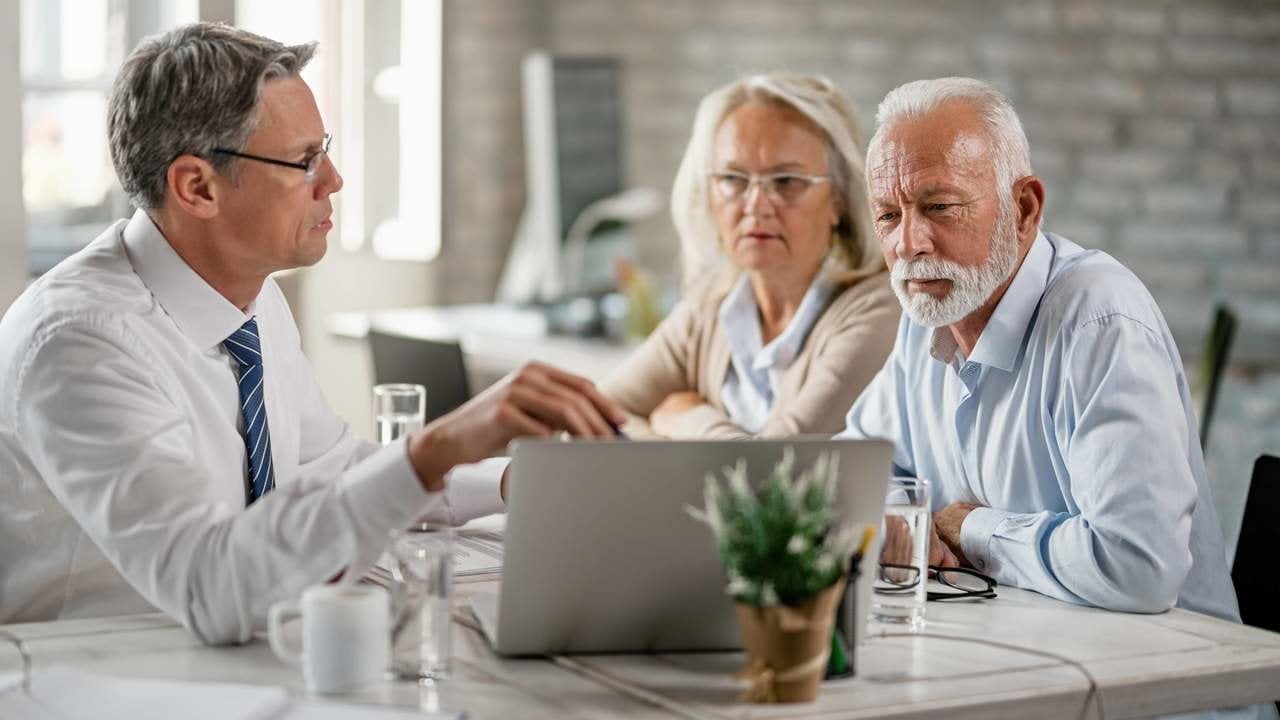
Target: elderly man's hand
535 401
947 523
664 417
897 545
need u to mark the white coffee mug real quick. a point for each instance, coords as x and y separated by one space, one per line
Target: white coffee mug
345 636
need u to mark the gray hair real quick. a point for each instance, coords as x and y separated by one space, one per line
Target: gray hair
914 100
189 91
856 252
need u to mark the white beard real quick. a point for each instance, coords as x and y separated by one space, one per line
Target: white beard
971 286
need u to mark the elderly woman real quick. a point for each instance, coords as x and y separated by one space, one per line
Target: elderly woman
787 312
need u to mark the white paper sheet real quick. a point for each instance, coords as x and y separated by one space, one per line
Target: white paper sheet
477 550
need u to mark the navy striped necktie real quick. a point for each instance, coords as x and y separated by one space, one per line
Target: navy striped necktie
245 347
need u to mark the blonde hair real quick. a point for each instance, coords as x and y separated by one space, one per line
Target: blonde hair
855 252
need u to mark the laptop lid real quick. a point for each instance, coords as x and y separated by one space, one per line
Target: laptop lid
601 556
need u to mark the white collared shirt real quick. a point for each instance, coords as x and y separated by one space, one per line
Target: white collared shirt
755 369
122 465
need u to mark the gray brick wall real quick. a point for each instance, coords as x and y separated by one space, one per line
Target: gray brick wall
1155 124
484 43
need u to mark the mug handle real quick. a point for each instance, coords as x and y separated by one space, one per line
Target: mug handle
277 616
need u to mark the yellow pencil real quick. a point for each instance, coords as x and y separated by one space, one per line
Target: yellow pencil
867 533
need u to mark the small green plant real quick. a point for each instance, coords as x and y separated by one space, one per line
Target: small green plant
779 543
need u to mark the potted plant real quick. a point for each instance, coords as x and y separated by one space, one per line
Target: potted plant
787 560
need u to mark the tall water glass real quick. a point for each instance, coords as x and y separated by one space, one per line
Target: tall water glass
903 572
421 602
400 409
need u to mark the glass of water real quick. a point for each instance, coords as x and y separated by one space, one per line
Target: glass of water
421 602
400 409
903 573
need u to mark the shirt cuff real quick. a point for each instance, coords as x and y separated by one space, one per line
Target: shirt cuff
471 491
975 536
384 492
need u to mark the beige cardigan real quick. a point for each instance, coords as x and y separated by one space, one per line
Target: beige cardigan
846 347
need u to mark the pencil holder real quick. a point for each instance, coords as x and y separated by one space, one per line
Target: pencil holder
841 663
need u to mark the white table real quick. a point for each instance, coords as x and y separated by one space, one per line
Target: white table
1145 665
495 339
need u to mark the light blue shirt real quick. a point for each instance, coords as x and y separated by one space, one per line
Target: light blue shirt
755 369
1071 423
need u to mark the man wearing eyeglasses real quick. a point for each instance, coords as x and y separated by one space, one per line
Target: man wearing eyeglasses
163 443
1034 382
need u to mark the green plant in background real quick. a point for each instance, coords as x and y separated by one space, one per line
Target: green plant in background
642 314
779 543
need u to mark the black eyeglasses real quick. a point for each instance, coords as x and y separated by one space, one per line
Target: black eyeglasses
309 164
968 584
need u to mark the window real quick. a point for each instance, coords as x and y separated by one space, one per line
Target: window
389 92
377 80
405 104
379 70
70 50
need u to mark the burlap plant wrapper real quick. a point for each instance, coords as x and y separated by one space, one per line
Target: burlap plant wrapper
787 647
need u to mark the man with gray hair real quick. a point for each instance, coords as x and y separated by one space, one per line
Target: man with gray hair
163 442
1034 382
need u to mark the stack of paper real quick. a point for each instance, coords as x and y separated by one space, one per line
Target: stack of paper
477 550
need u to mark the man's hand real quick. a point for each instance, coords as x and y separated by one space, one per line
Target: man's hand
535 401
947 523
664 417
896 549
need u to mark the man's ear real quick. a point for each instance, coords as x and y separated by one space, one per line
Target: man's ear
194 186
1028 198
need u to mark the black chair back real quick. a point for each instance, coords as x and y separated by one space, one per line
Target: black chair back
1253 571
1213 364
434 364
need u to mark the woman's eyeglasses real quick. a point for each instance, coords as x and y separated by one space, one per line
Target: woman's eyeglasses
781 188
965 583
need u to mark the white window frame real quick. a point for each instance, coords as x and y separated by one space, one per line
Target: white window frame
50 236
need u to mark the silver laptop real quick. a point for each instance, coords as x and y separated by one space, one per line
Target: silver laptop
601 555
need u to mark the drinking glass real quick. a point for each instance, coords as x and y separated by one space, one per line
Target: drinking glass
421 602
400 409
903 572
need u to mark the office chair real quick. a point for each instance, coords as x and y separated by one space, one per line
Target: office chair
1252 571
434 364
1212 366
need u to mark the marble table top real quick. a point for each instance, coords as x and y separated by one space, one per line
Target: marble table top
1143 665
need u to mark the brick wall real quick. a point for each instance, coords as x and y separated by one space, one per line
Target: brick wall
1155 125
484 43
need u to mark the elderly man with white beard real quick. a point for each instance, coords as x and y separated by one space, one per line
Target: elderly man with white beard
1034 382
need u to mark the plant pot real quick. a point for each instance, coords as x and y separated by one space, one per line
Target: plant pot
787 647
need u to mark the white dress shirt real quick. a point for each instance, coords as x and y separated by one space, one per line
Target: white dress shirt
122 465
756 369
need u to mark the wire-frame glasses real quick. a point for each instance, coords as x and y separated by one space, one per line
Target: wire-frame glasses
964 583
310 164
784 188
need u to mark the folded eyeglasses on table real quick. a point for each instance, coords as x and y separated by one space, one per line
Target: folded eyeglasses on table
964 583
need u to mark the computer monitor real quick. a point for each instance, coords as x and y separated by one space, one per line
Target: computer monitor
573 159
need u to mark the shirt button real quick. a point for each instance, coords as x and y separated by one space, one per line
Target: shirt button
980 564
